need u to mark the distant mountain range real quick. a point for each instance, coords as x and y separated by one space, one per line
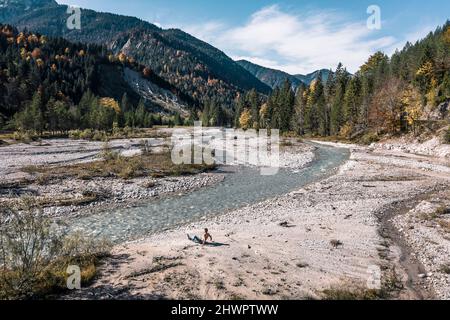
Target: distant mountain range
275 78
193 66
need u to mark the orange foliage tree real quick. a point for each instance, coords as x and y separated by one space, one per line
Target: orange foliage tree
387 107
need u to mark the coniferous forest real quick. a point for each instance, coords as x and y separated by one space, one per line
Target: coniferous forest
51 84
387 95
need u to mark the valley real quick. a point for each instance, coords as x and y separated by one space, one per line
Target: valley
318 181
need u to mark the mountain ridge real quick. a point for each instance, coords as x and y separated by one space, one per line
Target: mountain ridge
197 68
275 78
272 77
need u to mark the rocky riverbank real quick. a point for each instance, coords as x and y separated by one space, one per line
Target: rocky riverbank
426 228
71 196
326 240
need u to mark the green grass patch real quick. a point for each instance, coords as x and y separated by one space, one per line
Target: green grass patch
155 165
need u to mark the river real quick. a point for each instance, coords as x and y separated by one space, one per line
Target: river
242 186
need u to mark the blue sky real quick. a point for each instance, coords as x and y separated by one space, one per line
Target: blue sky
296 36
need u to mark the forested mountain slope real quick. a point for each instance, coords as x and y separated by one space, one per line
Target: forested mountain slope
276 78
45 73
271 77
195 67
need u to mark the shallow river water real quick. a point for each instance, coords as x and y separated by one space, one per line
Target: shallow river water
241 186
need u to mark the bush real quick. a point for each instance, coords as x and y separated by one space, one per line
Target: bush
445 268
100 136
25 136
74 134
447 136
86 134
346 131
34 255
369 138
350 294
108 153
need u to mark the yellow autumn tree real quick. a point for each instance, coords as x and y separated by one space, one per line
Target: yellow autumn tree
263 115
426 69
43 39
432 93
310 93
110 103
23 53
122 57
40 63
374 61
427 82
413 106
245 119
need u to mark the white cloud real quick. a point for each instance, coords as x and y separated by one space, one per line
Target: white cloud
296 43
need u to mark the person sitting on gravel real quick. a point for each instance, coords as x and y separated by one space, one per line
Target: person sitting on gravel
206 236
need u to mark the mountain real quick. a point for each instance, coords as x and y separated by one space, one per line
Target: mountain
276 78
61 71
13 8
271 77
193 66
311 76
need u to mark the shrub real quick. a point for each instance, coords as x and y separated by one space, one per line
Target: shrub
350 294
86 134
108 153
346 131
34 254
74 134
445 268
100 136
447 136
25 136
369 138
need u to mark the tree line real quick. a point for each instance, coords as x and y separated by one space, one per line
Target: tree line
52 85
386 95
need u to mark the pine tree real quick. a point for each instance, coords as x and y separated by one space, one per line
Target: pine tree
206 114
139 117
285 106
298 120
253 102
177 120
351 102
125 104
238 110
31 118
